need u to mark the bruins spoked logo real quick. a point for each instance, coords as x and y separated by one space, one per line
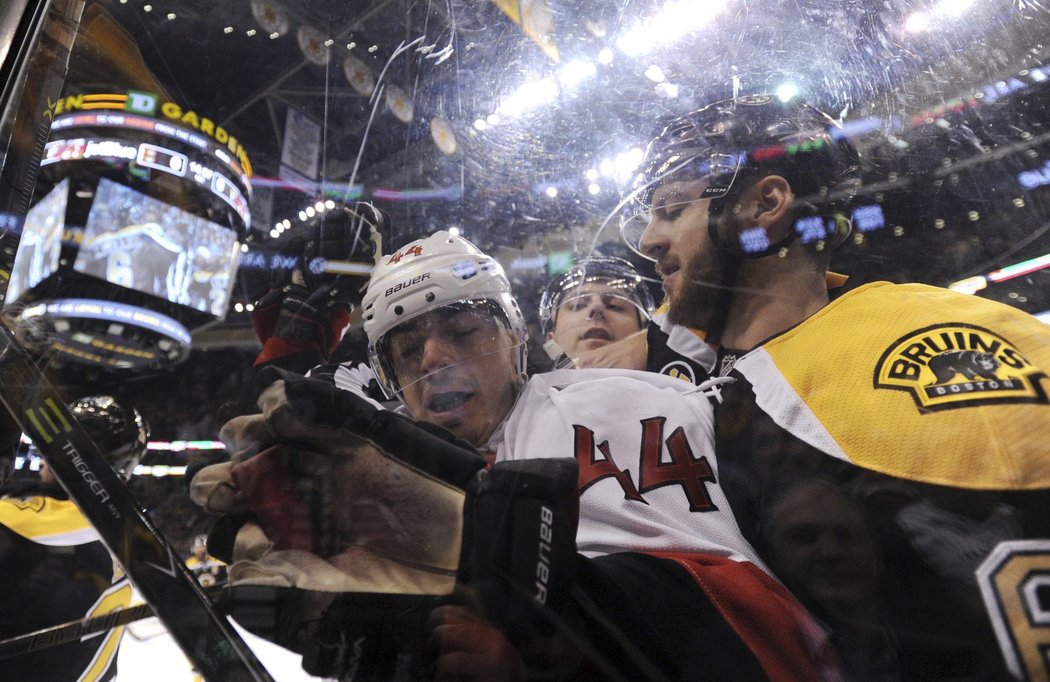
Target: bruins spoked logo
958 365
679 370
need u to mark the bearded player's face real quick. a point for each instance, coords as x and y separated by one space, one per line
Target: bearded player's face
677 239
457 368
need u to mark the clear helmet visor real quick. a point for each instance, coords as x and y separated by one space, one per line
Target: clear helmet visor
672 181
587 291
458 366
464 332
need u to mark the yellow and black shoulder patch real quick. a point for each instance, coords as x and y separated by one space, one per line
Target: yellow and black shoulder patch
679 369
955 365
33 504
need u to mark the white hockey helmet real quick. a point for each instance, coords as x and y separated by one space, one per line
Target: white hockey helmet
427 274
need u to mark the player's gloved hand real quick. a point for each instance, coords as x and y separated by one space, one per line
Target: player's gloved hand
337 235
316 474
347 520
308 308
294 319
293 406
213 489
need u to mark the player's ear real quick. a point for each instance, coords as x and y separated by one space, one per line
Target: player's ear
772 199
765 204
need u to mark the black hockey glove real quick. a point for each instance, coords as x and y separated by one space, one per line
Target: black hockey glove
294 405
519 541
293 319
340 234
308 308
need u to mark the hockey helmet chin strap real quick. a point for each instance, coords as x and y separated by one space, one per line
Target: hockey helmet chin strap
733 257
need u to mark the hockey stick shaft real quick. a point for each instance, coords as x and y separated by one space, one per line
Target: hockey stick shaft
208 639
73 630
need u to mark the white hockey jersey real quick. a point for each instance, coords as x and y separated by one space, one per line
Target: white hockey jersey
644 442
649 480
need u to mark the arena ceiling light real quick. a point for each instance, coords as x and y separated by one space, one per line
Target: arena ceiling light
786 91
622 165
574 73
529 95
917 22
946 10
674 21
952 8
655 74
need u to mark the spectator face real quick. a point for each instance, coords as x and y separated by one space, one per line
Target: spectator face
821 542
456 368
45 474
591 316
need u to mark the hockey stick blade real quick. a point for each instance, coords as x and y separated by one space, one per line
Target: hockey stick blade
208 639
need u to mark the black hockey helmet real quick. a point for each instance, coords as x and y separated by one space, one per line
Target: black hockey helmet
729 142
617 274
120 433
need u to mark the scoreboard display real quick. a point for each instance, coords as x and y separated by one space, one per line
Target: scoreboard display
134 240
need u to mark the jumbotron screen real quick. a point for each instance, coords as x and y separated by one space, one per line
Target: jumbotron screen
138 242
134 242
40 248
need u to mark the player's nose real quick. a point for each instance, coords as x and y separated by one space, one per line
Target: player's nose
655 239
437 352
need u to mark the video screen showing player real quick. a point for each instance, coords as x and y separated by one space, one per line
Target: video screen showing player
138 242
41 243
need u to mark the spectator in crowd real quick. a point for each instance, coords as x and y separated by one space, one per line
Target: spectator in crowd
208 570
822 546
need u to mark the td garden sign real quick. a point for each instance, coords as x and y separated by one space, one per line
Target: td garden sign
149 104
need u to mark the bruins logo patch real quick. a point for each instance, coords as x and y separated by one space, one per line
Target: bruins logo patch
679 370
958 365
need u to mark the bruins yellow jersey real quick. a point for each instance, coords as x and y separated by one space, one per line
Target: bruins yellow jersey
917 382
54 569
889 459
46 520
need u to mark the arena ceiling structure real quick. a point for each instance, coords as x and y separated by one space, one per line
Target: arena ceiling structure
163 163
520 127
520 123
